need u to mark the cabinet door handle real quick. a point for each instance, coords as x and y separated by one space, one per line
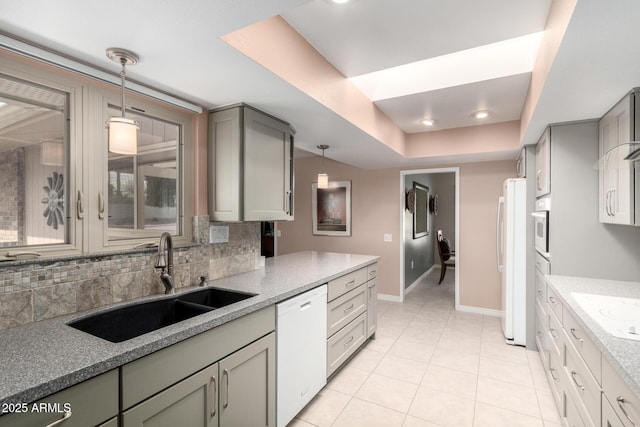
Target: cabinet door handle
350 282
620 401
611 202
213 386
552 300
573 332
65 416
348 308
573 377
553 333
80 205
555 377
101 205
225 373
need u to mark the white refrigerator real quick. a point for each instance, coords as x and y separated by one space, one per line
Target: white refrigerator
511 239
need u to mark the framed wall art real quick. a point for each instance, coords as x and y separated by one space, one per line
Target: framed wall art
331 209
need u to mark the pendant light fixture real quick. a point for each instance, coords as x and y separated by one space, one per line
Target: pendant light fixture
123 132
323 178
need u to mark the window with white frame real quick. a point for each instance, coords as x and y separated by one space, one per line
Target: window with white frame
62 191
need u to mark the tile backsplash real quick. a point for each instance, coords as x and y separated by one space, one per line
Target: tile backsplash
34 291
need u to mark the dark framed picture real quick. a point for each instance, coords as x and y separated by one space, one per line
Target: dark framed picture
421 211
331 209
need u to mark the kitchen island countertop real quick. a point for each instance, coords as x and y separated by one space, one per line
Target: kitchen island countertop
48 356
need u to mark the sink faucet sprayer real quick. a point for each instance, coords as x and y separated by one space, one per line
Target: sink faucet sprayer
166 264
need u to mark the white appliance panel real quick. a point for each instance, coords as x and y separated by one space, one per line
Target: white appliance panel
301 336
512 259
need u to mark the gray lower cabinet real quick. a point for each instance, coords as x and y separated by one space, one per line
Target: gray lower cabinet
89 403
239 390
191 402
351 314
248 385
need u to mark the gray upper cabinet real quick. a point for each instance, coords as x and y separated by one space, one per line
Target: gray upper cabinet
543 164
616 178
250 166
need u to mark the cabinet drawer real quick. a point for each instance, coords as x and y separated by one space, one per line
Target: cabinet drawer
542 342
625 403
583 384
344 284
583 344
554 302
345 308
572 414
345 342
372 271
556 343
91 402
556 380
541 287
542 264
609 417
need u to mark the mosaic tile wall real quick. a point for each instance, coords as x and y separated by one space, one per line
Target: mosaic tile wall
37 291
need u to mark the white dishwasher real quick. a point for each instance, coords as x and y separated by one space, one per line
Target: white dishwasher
301 336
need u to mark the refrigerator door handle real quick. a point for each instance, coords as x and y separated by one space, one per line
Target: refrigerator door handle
499 233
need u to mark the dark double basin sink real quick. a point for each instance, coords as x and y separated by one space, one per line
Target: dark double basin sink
129 321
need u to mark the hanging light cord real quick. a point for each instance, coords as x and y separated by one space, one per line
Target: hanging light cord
123 61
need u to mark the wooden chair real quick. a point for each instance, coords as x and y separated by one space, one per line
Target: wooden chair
447 256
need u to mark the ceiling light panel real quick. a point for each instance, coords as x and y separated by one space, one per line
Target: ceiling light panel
502 59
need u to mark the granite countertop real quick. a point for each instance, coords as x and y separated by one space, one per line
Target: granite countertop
45 357
622 354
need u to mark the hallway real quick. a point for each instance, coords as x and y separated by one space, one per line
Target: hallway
431 366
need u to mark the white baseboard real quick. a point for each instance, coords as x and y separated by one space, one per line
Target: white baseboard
392 298
480 310
415 282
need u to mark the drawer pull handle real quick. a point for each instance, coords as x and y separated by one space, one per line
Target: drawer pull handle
573 332
372 273
350 282
540 335
553 333
620 401
348 308
213 386
540 293
347 342
573 377
66 416
552 300
555 377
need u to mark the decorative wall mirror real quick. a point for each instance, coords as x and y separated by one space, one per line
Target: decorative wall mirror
421 211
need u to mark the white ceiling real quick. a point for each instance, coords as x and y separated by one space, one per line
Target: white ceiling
181 53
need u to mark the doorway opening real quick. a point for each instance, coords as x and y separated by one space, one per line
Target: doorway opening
418 253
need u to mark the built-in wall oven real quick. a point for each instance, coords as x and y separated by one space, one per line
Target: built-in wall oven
541 225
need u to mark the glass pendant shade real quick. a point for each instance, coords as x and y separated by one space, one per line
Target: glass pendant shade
323 180
51 153
123 136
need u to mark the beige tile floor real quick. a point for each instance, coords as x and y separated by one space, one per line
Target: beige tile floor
432 366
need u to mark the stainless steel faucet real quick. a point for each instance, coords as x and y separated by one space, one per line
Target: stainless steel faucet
166 263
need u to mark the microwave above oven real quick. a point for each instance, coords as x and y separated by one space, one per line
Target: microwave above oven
541 226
